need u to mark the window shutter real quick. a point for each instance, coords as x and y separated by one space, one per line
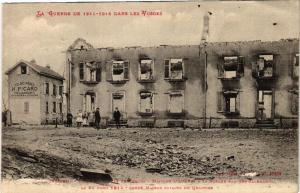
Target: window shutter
241 63
167 69
126 70
45 87
184 62
108 69
98 72
254 68
220 70
220 101
238 101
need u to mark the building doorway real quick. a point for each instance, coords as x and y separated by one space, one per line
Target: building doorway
265 110
118 101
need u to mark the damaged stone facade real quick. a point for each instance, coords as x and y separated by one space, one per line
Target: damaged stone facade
228 84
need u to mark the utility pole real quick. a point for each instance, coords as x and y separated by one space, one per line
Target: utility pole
204 38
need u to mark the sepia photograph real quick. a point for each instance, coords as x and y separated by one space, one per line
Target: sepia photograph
191 96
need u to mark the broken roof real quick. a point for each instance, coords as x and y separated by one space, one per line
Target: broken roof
39 69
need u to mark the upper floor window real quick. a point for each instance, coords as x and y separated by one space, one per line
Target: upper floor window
54 107
296 66
228 102
264 67
146 102
47 107
146 67
61 88
46 91
23 69
54 89
60 107
232 67
90 72
174 69
117 71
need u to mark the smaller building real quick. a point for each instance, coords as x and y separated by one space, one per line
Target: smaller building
35 94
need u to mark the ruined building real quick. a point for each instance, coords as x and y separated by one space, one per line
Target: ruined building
228 84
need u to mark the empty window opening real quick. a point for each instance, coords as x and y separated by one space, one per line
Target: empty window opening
54 89
81 71
23 69
146 102
47 88
174 69
176 102
265 65
60 108
120 70
233 67
89 100
229 102
146 70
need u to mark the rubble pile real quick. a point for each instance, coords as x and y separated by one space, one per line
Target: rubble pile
169 160
36 164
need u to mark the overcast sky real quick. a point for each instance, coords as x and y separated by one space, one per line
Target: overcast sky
45 38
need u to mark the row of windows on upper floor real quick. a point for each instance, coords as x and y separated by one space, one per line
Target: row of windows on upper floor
174 69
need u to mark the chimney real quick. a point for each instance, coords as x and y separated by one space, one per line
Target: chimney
33 61
48 66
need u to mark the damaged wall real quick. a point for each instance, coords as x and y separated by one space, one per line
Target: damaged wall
193 86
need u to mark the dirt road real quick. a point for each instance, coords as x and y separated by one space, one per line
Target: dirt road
150 153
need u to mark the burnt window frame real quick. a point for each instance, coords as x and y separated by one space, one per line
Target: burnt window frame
222 101
257 72
140 102
151 78
168 72
23 69
239 69
125 68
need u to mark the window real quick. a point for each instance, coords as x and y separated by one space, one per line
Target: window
296 66
54 107
264 68
146 69
228 102
176 102
47 88
174 69
118 101
93 71
146 102
89 100
60 107
120 70
81 71
23 69
233 67
47 107
54 89
61 88
26 107
295 102
265 105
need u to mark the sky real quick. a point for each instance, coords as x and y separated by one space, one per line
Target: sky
45 38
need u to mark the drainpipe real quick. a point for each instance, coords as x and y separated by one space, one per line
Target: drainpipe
205 85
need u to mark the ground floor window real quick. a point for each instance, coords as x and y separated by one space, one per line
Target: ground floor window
295 102
26 107
176 101
54 107
60 107
89 100
146 102
229 102
47 107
